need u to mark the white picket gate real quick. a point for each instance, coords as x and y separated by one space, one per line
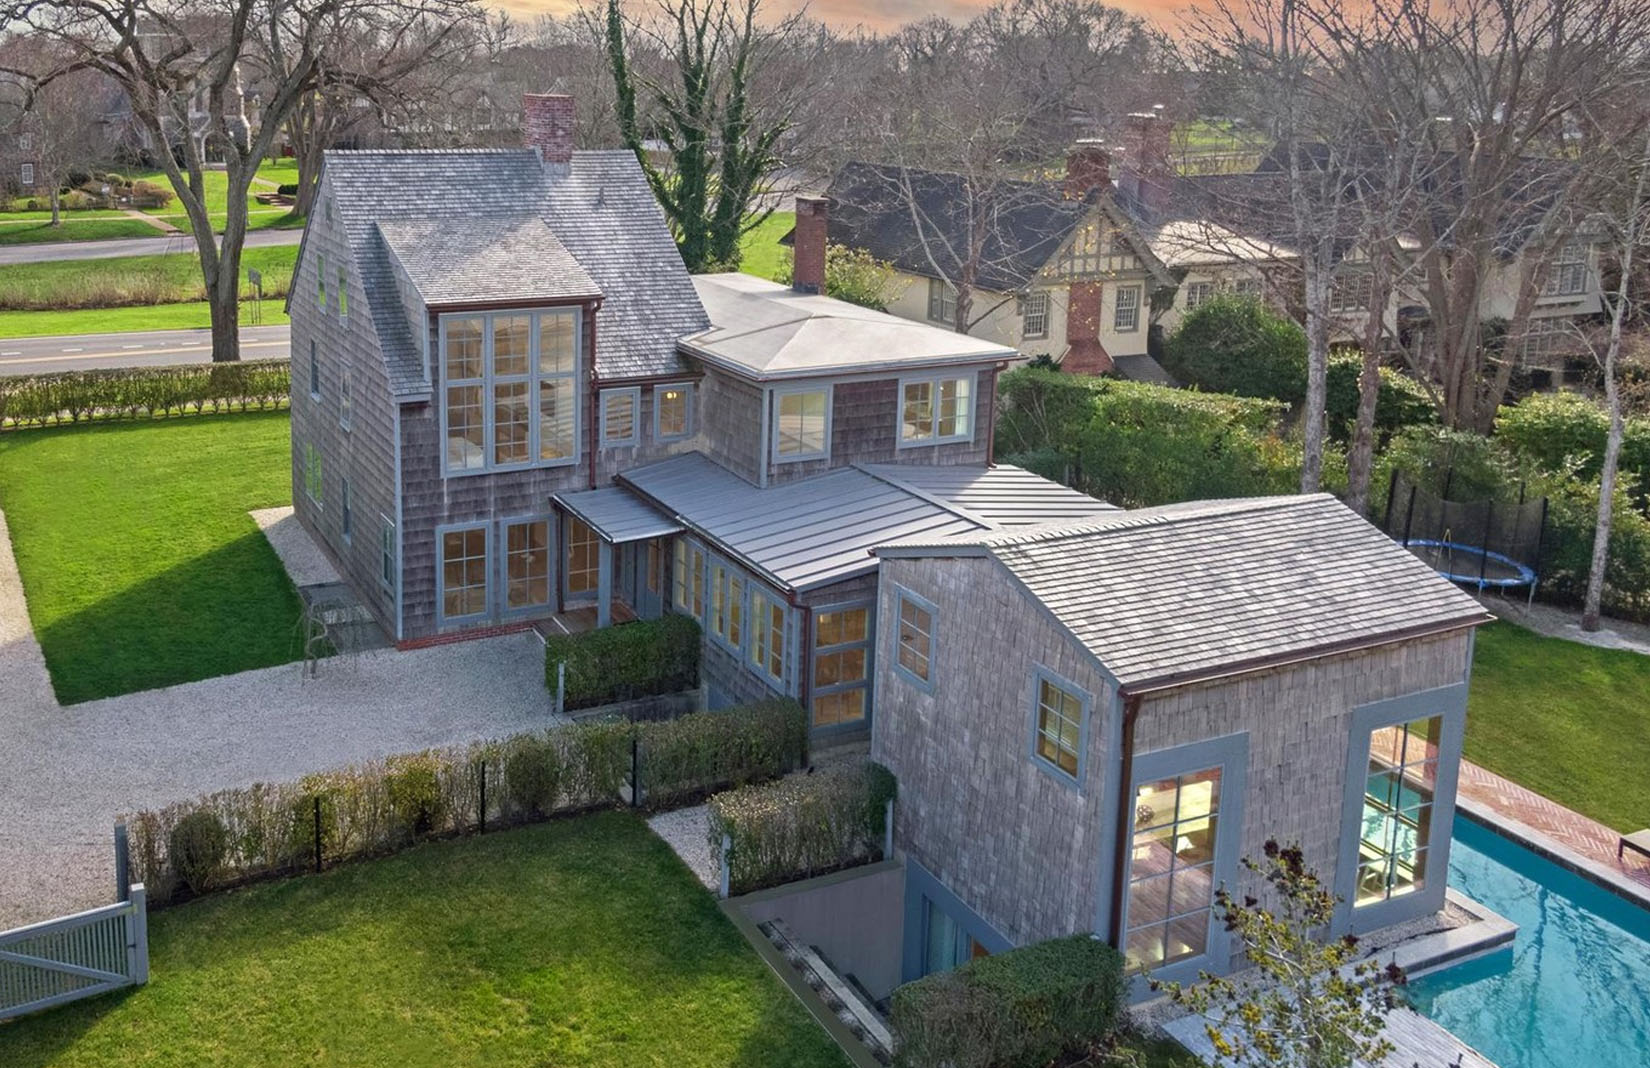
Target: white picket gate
73 957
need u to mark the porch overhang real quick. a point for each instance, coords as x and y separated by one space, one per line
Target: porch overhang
617 515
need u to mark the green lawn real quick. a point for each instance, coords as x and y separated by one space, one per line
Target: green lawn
762 254
140 564
1568 721
581 942
76 229
123 320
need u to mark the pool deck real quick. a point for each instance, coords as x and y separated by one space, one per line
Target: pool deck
1416 1040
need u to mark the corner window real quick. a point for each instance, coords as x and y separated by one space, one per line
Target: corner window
689 594
1126 315
672 412
346 397
312 474
321 281
936 410
727 606
1059 710
1172 876
914 640
314 372
463 573
619 417
1396 829
386 553
343 295
841 665
768 636
509 390
942 302
802 428
1034 316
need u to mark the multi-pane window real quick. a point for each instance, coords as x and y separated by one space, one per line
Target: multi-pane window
321 281
727 605
767 635
1567 275
584 558
1199 293
1059 727
314 371
464 573
1551 337
527 564
312 473
1397 816
802 427
1172 869
671 412
942 302
689 596
347 519
915 640
619 416
1034 315
1126 314
386 553
1353 290
26 174
346 396
842 657
936 410
1248 287
510 389
343 294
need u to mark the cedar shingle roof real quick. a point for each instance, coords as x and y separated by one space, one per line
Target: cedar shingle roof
482 260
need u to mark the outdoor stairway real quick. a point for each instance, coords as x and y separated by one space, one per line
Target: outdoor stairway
839 995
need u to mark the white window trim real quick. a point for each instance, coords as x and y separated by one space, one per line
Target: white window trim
934 438
387 569
1036 309
773 441
635 395
687 420
534 379
26 173
1117 309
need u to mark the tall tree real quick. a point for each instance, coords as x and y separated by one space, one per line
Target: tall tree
181 63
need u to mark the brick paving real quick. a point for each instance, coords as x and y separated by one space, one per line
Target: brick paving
1590 838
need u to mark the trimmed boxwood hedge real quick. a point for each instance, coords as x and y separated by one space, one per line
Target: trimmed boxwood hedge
1027 1006
142 392
640 659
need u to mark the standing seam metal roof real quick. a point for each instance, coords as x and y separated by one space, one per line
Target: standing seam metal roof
617 514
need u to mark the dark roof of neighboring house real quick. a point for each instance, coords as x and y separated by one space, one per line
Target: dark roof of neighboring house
1166 596
481 261
599 208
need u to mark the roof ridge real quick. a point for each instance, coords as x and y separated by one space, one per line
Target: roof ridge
1157 515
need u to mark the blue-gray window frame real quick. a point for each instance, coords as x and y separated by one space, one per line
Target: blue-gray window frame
387 569
787 683
499 565
814 649
933 382
1229 753
901 595
777 400
346 518
729 570
314 371
687 418
635 395
1039 675
1449 703
922 886
442 619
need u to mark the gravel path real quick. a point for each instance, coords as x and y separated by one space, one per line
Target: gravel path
69 772
686 831
302 558
1566 624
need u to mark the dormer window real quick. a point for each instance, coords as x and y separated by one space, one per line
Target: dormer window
510 389
936 410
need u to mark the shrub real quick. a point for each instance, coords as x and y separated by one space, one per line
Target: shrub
685 758
801 825
1027 1006
142 392
1566 432
853 275
620 663
198 845
414 788
1401 401
287 189
151 195
1239 345
532 770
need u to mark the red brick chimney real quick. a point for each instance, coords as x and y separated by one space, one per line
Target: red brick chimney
547 126
1147 174
1088 167
813 215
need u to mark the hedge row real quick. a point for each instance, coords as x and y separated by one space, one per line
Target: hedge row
802 825
380 806
639 659
1029 1006
1566 431
142 392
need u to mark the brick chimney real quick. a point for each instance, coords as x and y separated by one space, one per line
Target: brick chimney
547 126
813 216
1088 167
1147 175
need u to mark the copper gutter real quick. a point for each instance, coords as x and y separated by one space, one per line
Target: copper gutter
1125 820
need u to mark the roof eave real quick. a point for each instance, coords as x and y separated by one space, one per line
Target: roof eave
992 355
560 301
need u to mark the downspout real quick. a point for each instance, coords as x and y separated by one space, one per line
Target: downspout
592 423
1125 818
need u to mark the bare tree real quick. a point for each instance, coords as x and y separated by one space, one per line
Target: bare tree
182 62
63 134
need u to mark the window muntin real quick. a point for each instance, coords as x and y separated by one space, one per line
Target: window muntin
1551 337
1034 316
802 428
313 482
386 553
767 652
689 597
914 641
26 173
1248 287
584 558
1059 722
1172 869
527 564
936 410
672 412
464 573
1199 293
1126 313
620 417
841 665
942 302
1567 275
314 371
1353 290
727 605
510 388
1396 827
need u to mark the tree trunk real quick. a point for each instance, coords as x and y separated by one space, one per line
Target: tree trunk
1592 608
1360 460
57 207
1317 372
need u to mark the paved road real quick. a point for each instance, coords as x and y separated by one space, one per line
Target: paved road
156 348
39 252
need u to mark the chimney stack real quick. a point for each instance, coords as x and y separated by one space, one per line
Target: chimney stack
1146 171
1088 167
547 126
813 216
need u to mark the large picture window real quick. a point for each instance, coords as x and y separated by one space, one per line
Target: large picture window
510 384
1172 874
1395 832
802 424
936 410
841 667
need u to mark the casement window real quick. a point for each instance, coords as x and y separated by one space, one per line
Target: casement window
463 573
936 410
386 553
942 302
1172 868
767 651
321 281
727 606
914 640
841 665
346 519
620 417
1199 293
1059 716
672 412
1126 314
26 173
509 390
802 427
526 565
346 397
343 294
313 482
689 594
1567 275
1034 315
314 372
584 559
1353 290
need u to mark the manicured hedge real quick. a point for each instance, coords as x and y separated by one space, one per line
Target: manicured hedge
1028 1006
639 659
142 392
802 825
380 806
1566 431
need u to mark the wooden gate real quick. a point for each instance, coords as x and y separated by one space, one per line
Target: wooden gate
74 957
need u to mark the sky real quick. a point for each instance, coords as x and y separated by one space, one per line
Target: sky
872 14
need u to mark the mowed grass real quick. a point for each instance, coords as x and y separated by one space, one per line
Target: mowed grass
1569 721
161 279
581 943
761 253
139 561
74 229
192 315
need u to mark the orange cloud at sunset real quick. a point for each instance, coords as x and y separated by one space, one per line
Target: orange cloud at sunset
875 14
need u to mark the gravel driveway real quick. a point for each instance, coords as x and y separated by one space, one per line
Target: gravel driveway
67 773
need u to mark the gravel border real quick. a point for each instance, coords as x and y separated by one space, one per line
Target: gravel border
303 559
687 831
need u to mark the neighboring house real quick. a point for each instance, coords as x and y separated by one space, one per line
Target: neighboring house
20 171
1093 722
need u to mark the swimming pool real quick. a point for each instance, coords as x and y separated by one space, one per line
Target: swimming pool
1574 991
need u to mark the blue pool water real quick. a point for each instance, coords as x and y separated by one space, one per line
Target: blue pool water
1574 992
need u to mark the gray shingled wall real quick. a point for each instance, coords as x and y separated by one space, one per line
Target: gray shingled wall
731 433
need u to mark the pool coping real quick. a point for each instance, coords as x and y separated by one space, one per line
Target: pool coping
1424 954
1550 848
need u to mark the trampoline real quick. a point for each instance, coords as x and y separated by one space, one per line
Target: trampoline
1487 544
1483 568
